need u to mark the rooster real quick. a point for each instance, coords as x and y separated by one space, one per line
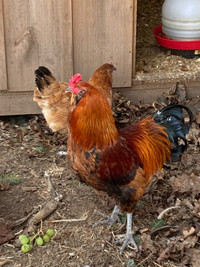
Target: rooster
55 101
121 162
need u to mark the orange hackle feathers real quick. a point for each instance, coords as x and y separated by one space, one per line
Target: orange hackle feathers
142 144
92 123
150 143
102 80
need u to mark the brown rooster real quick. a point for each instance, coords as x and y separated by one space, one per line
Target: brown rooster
55 101
120 162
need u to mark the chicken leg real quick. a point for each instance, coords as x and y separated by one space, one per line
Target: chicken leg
128 239
114 217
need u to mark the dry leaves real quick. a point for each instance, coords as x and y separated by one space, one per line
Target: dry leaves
5 233
186 183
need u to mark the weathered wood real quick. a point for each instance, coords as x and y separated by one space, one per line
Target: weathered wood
134 34
3 74
144 92
37 32
18 103
22 103
103 32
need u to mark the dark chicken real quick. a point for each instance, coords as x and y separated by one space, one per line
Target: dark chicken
121 162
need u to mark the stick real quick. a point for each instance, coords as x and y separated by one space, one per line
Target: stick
47 209
160 216
83 218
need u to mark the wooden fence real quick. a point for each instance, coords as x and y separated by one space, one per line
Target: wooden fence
67 36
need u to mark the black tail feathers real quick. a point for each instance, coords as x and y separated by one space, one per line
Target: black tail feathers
43 77
172 118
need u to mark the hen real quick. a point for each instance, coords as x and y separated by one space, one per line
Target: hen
55 101
52 97
121 162
102 79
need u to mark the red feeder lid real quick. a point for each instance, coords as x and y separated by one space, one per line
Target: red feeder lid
174 44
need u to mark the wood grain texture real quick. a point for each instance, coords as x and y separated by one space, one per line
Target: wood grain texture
134 35
38 32
3 73
18 103
22 103
103 32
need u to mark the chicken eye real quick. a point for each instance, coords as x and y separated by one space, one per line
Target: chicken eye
80 95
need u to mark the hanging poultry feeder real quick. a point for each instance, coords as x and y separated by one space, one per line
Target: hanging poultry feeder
180 29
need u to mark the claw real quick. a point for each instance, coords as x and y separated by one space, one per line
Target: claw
128 240
114 217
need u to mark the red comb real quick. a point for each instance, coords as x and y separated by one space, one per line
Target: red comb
72 83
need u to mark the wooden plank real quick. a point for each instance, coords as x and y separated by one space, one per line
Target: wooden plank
3 74
103 32
18 103
148 97
38 32
22 103
142 91
134 34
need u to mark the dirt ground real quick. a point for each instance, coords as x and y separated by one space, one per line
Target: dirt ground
29 149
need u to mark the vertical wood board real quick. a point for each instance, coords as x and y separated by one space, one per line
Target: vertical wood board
134 35
38 32
103 32
3 74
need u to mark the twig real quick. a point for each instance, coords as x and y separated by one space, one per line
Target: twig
4 261
83 218
120 103
62 153
144 260
47 209
50 186
160 216
163 228
156 264
22 220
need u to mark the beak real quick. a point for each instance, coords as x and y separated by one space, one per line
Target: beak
113 68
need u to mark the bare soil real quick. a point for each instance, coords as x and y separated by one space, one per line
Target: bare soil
28 149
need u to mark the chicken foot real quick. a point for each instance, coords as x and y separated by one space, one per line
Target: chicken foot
128 239
114 217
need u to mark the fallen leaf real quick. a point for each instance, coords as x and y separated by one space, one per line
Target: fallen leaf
196 210
186 183
5 233
198 118
147 243
188 232
189 242
165 253
194 256
4 186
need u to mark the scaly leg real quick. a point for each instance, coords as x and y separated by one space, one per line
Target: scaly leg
110 219
128 240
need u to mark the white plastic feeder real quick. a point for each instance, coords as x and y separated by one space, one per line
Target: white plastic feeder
181 19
